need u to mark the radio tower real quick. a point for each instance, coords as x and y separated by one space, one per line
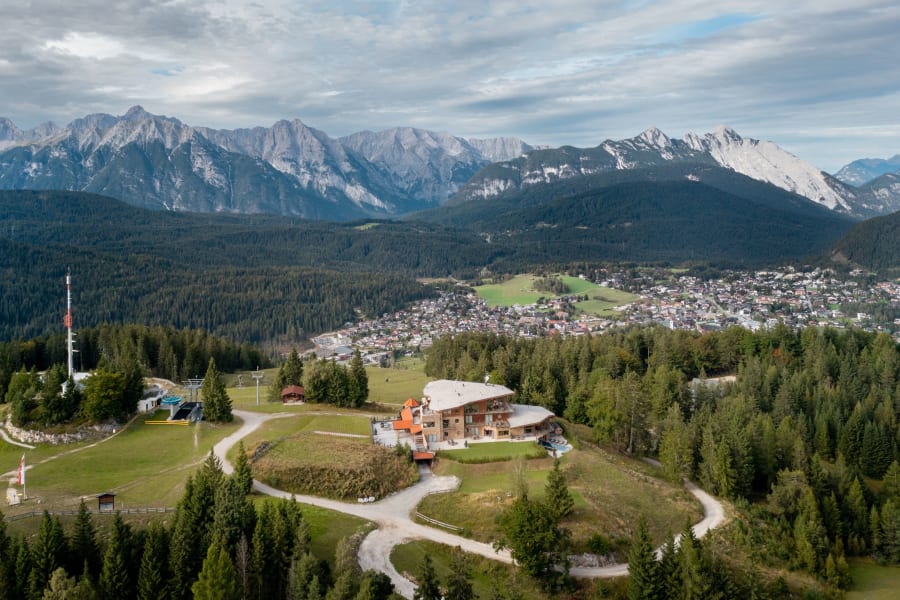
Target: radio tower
68 322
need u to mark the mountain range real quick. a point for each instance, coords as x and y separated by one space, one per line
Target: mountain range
290 168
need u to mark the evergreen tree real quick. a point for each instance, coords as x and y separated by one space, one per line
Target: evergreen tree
343 588
536 542
243 473
459 581
218 579
23 569
428 588
154 573
216 403
289 373
377 586
115 581
85 549
557 495
49 550
694 583
359 379
232 515
642 567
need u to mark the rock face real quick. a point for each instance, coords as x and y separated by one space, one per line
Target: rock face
159 162
763 161
31 436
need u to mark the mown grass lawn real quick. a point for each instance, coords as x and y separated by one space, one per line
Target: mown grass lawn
873 581
144 465
494 451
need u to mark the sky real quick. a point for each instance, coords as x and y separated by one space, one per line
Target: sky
820 78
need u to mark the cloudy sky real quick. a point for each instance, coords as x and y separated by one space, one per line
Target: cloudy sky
819 77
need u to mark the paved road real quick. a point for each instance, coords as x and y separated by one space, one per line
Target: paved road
395 524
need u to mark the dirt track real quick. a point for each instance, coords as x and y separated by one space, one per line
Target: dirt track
395 524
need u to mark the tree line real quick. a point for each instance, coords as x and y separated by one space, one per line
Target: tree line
804 438
220 546
324 381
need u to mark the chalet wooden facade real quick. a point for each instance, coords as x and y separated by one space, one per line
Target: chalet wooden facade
453 411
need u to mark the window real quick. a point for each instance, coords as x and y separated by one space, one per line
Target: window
428 424
489 419
446 423
468 419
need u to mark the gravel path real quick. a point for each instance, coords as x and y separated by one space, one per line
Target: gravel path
395 525
9 440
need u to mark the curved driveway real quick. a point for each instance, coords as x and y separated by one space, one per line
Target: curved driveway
395 525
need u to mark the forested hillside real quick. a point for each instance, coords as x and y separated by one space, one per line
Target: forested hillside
873 244
248 278
807 430
679 212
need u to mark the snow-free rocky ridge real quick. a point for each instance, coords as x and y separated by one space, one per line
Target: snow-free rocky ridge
395 525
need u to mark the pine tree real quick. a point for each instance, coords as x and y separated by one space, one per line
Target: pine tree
153 575
232 515
115 581
218 579
289 373
216 403
85 549
360 380
49 550
459 581
243 473
642 567
557 495
22 571
377 586
428 588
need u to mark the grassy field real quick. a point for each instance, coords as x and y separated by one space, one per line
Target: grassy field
603 300
520 290
517 290
610 493
494 451
393 386
145 465
872 581
487 575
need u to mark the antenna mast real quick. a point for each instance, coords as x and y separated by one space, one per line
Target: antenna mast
68 321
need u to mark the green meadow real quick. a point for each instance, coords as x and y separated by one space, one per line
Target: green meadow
520 290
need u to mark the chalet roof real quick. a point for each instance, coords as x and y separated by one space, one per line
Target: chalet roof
525 414
446 394
292 389
411 403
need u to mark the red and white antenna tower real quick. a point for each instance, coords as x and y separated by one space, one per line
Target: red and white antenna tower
68 322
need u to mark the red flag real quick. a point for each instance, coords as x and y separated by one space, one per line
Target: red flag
22 471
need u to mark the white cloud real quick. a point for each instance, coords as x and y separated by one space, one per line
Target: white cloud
564 72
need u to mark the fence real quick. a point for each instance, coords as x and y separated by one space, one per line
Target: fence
124 511
435 521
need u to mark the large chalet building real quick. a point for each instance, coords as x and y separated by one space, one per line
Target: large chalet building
453 411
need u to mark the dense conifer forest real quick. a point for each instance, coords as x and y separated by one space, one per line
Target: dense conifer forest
123 355
277 279
221 545
804 438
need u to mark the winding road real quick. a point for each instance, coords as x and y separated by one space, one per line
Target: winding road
395 525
